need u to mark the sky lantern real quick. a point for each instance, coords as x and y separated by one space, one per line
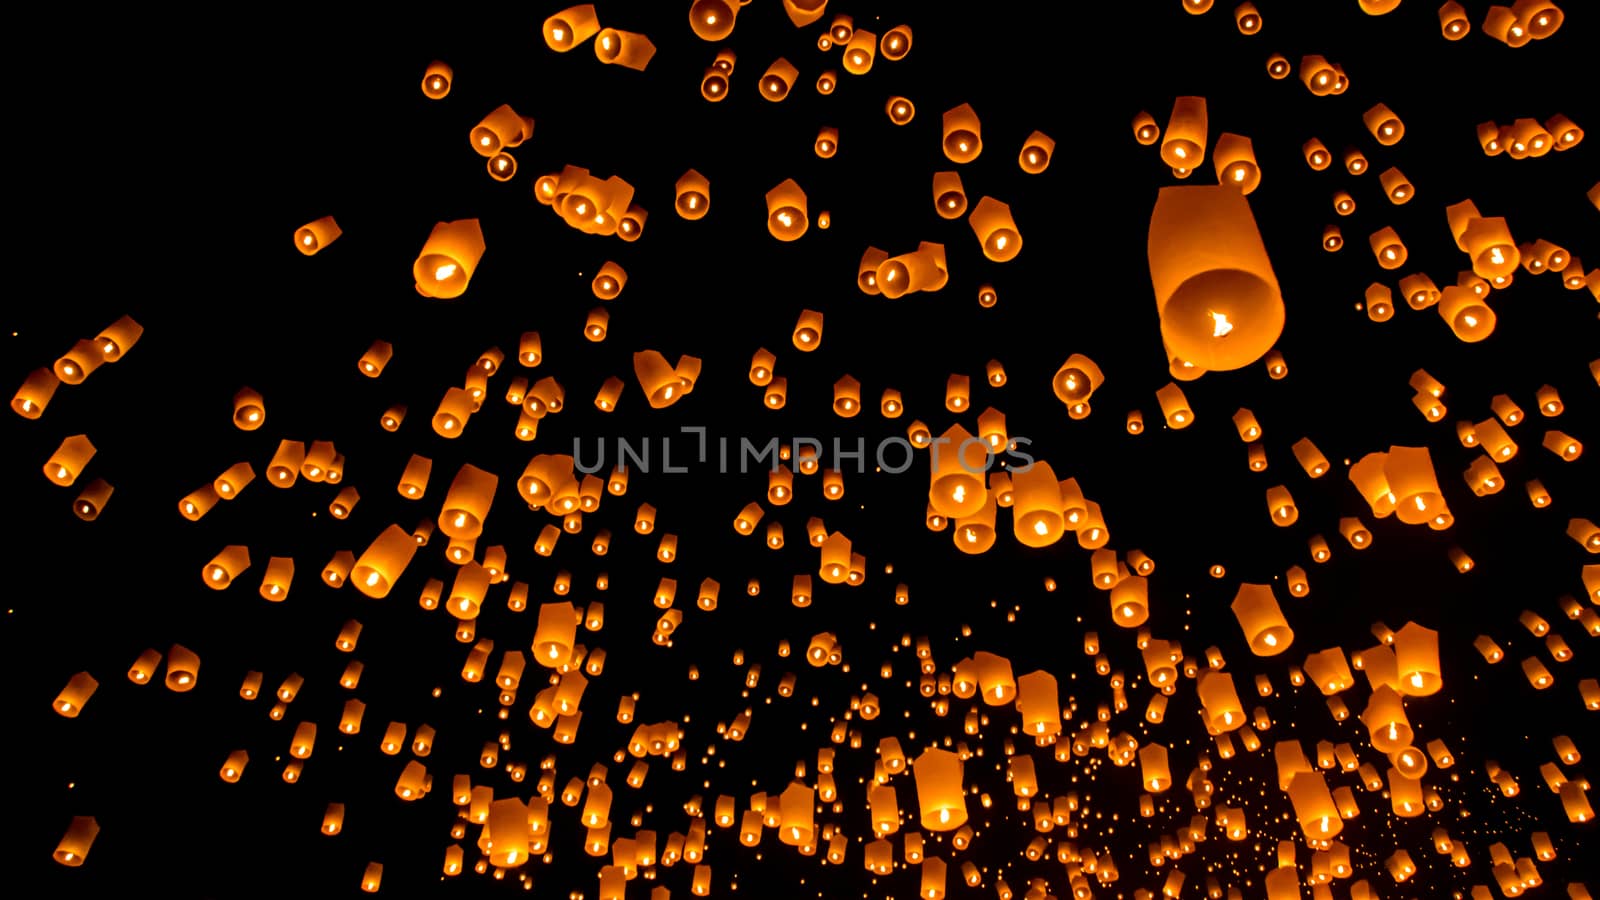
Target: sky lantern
570 27
628 49
1265 628
1216 293
449 257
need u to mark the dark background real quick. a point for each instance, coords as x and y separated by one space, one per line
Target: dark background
166 160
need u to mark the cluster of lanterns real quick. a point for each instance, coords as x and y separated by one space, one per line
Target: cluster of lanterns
1220 308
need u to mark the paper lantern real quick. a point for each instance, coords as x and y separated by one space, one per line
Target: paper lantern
1130 606
1575 803
803 13
79 362
1564 132
1314 807
449 257
1419 290
1184 144
1319 76
1562 445
225 566
1174 407
609 281
1145 129
67 462
279 576
795 812
958 465
624 48
949 197
1235 161
1280 506
1154 771
1264 626
1412 490
467 503
79 689
975 533
1387 248
895 43
1416 651
570 27
74 845
961 134
712 20
1384 125
1220 701
556 633
995 229
1379 301
1494 439
311 237
1216 294
1453 22
1037 149
778 79
1488 241
436 80
1385 718
659 381
1399 191
692 195
1316 155
714 82
118 338
786 211
1038 702
995 681
144 668
860 49
35 393
1036 505
1585 533
630 224
1541 17
1468 317
92 500
1246 19
923 270
381 564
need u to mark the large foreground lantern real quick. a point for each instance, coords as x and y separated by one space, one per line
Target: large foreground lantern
1216 294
